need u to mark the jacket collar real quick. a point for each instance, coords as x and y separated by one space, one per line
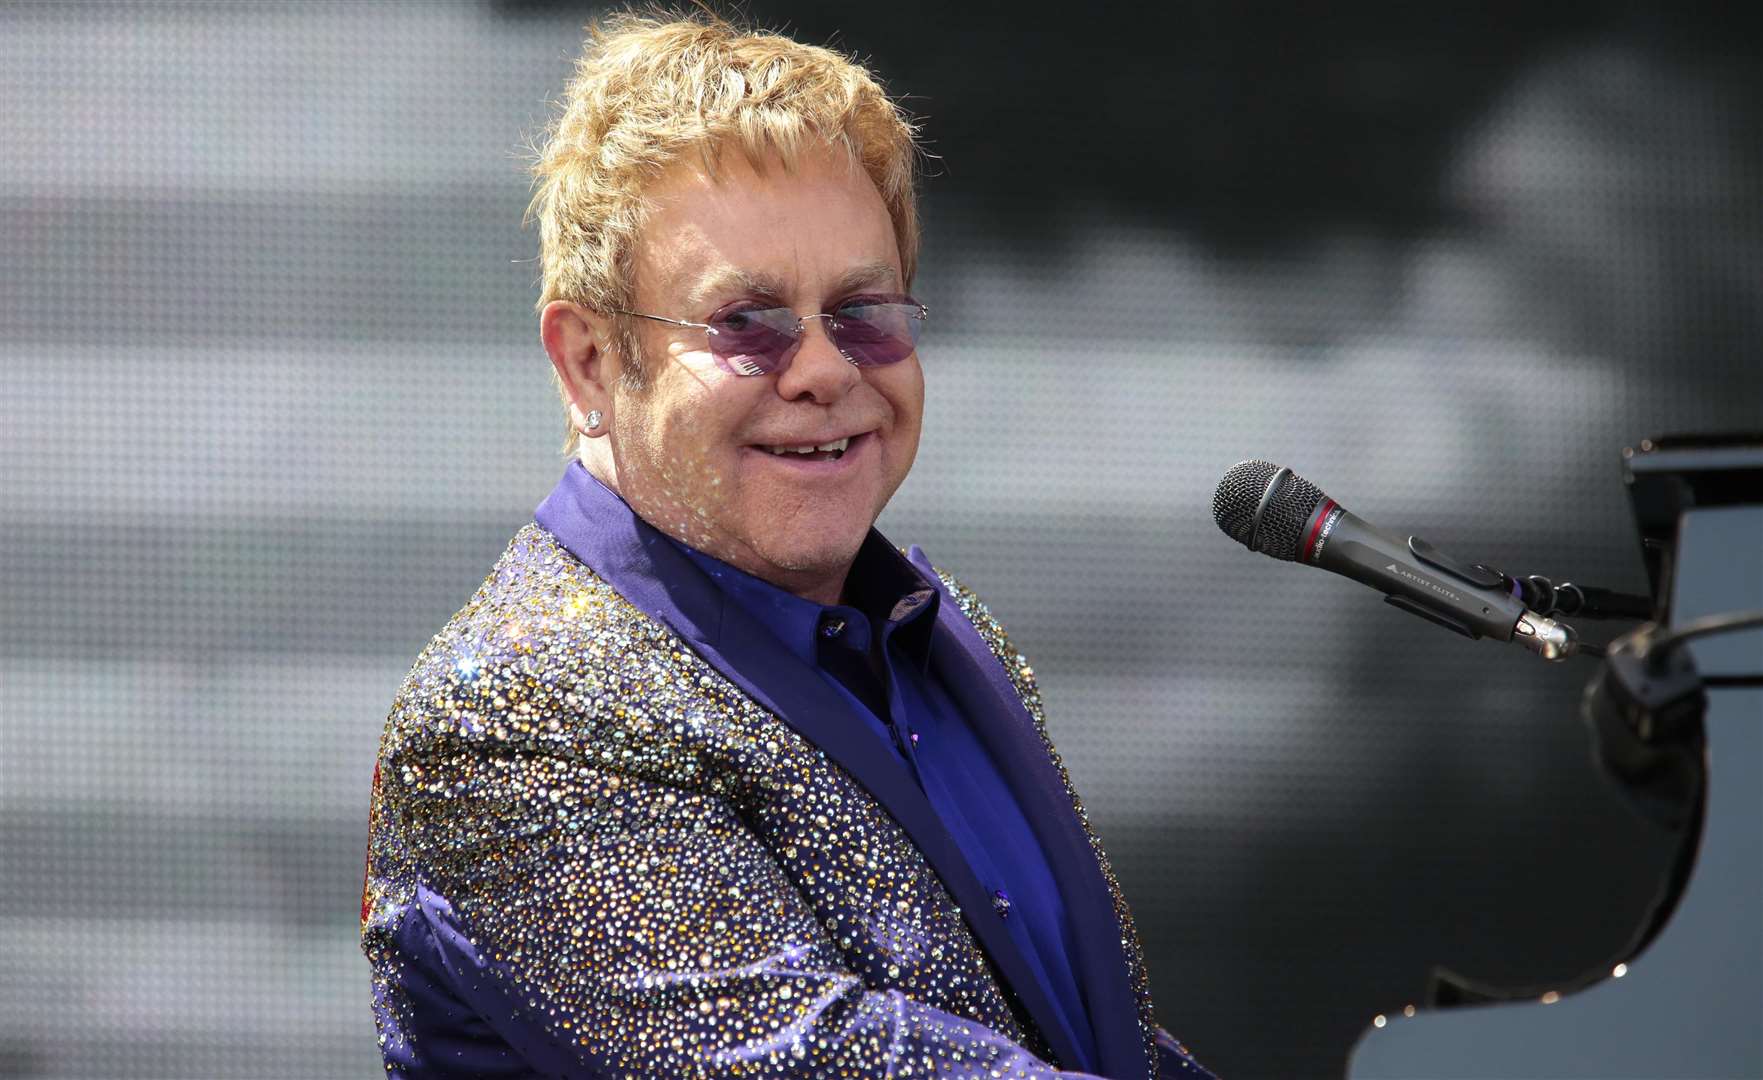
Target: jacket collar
645 567
990 701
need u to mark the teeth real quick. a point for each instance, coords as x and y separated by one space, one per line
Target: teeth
838 445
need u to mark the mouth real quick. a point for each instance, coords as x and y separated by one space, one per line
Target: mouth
821 454
810 451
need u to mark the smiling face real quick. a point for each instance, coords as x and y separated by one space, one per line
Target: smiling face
692 451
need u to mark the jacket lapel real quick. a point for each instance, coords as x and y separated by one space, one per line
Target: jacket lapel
975 678
646 569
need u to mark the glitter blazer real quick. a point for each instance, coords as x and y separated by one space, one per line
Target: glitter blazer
618 830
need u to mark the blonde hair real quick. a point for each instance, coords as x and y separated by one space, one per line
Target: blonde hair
647 91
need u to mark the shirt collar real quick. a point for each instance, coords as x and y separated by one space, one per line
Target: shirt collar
885 594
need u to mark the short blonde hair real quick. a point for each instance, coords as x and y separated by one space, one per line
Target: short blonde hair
648 91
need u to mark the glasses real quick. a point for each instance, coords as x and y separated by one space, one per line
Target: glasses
868 331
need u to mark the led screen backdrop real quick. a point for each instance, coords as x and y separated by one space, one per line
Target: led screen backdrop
274 401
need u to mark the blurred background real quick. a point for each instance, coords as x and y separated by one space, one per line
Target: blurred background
274 402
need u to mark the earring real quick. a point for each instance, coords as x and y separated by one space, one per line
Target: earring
593 419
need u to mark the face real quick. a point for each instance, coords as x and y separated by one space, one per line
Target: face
693 450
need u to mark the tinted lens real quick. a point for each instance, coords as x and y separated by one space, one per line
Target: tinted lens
868 331
877 331
753 341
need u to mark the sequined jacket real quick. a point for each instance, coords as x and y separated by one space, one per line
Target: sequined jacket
612 836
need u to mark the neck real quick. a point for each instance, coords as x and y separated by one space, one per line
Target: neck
596 457
829 593
817 585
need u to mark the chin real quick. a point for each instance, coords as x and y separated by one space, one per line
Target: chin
804 559
826 551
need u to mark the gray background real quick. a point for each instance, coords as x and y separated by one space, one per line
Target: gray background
273 402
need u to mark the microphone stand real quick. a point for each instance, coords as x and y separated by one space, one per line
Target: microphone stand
1582 601
1644 710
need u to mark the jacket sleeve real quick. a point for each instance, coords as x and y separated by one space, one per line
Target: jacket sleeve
1177 1062
601 923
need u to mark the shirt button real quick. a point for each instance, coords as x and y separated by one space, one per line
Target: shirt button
832 628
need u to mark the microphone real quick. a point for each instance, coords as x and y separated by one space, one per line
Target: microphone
1270 509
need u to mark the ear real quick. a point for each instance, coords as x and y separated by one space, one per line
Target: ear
575 339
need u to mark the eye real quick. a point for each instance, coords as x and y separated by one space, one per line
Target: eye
735 317
887 308
863 300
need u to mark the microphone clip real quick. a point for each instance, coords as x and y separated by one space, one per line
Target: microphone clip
1645 709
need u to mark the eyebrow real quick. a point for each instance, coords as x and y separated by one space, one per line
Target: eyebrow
765 285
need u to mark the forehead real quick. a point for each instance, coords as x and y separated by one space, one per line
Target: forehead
791 231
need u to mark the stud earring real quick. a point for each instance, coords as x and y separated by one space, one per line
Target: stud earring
593 419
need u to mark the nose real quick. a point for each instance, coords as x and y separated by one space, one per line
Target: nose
818 372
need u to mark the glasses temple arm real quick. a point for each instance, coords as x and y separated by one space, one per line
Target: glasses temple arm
663 319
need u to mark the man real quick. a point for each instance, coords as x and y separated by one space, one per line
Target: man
707 780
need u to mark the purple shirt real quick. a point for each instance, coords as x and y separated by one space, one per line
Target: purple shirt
875 650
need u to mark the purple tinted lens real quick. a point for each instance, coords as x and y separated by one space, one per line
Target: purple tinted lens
758 341
754 341
875 332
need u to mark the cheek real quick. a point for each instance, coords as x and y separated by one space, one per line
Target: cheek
688 441
675 423
903 387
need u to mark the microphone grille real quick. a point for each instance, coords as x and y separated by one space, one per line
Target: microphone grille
1282 523
1233 504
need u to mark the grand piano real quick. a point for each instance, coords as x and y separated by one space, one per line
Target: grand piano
1683 738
